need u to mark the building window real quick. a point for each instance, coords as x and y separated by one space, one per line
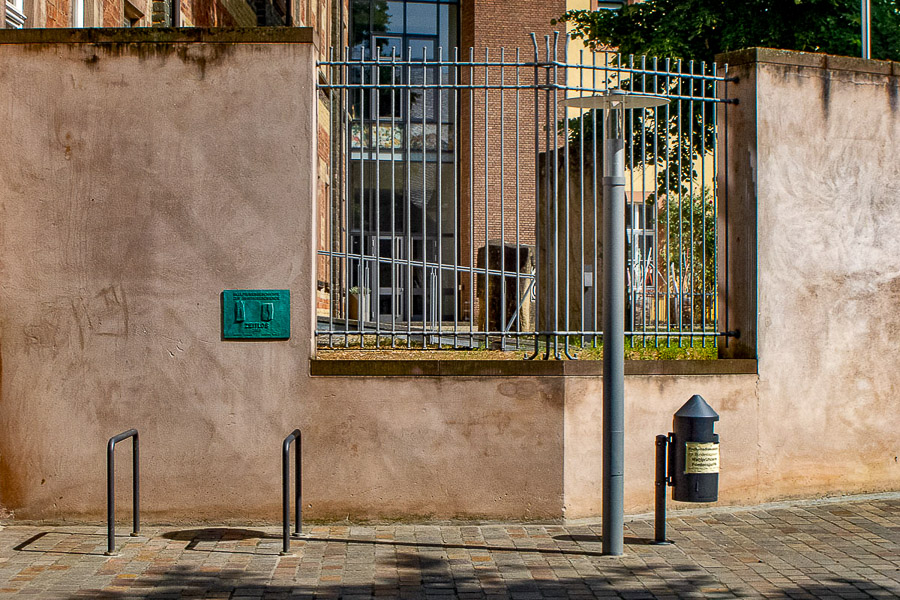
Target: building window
402 156
77 13
15 14
396 26
132 15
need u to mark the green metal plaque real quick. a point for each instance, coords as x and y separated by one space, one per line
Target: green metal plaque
256 314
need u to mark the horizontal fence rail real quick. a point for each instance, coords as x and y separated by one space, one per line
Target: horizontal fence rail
464 200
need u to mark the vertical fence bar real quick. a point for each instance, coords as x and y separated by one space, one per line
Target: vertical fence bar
631 208
471 137
457 97
408 195
364 155
345 237
425 278
598 157
647 222
439 120
692 242
394 303
670 269
566 177
375 291
502 315
660 266
553 138
682 258
703 325
725 201
519 300
486 305
581 257
537 194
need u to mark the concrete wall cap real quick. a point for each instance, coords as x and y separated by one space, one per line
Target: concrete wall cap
522 368
808 59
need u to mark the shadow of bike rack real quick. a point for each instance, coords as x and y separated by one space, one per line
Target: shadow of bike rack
286 490
111 487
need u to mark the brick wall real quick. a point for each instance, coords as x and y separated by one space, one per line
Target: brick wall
58 13
491 25
112 15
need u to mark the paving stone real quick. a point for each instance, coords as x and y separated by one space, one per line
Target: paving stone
844 550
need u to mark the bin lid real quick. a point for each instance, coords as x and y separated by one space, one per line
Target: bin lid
696 408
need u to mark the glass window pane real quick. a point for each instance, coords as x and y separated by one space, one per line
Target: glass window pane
392 17
420 49
388 45
449 28
421 18
359 23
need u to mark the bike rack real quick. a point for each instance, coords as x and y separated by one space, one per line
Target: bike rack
286 490
111 487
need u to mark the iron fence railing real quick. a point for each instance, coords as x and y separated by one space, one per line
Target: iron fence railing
464 199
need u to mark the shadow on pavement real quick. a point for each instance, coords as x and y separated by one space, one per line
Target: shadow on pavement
634 583
445 545
25 546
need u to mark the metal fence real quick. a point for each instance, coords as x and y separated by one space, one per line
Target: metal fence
464 199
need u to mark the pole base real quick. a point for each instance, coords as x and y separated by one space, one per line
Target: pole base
286 554
110 553
135 534
662 543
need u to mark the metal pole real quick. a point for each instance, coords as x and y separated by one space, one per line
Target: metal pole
286 496
613 336
286 490
298 487
136 485
866 22
110 499
111 487
659 528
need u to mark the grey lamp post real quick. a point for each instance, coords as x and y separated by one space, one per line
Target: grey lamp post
614 102
866 28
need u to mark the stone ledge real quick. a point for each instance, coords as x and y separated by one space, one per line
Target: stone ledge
516 368
808 59
159 35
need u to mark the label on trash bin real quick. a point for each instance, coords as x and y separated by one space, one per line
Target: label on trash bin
700 457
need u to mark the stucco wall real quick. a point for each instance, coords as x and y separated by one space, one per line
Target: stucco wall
138 181
828 179
140 178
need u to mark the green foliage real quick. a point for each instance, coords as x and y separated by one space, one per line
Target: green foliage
687 243
700 29
697 30
637 348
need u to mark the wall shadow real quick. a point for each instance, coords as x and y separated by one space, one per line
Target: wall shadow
414 571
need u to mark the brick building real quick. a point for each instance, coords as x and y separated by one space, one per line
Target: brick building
162 13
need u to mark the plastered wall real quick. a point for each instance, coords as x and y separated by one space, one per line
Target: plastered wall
139 179
824 162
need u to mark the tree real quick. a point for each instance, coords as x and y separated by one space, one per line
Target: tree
700 29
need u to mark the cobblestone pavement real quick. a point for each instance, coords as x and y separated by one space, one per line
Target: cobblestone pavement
848 549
